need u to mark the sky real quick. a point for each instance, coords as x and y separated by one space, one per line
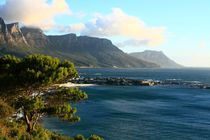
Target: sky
179 28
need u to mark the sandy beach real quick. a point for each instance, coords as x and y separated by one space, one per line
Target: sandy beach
69 84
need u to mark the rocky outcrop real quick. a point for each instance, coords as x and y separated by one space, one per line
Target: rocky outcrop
10 34
35 37
2 31
14 35
114 81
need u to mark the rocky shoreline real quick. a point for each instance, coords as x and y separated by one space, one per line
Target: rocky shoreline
115 81
135 82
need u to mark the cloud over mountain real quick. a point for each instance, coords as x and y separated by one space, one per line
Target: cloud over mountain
39 13
42 13
118 23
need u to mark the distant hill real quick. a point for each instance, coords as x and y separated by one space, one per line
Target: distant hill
156 57
84 51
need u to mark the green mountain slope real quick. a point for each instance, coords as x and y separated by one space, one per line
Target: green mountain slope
82 50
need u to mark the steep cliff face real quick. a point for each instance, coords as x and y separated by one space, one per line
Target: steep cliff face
82 50
35 37
96 52
2 32
10 34
14 35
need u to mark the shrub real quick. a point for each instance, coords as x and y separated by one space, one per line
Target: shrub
79 137
95 137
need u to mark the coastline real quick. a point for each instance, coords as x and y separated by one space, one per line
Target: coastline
70 84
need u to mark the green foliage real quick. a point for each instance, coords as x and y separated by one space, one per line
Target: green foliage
39 69
35 104
7 64
65 112
67 95
95 137
40 134
3 138
61 107
25 136
33 107
44 70
5 110
30 75
34 71
79 137
55 136
24 85
14 133
17 131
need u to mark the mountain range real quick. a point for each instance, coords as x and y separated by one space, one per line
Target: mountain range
157 57
84 51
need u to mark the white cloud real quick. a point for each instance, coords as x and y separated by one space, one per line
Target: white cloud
41 13
71 28
118 23
34 12
133 42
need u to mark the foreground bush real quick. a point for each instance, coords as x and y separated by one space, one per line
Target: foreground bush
24 89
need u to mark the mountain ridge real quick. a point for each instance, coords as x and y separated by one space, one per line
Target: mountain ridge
157 57
84 51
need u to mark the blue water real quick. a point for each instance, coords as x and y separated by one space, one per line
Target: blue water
142 113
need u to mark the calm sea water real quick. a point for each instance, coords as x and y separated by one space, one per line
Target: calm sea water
142 113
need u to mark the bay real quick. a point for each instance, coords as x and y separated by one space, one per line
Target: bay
135 113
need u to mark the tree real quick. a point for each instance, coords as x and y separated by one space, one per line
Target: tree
8 66
56 104
30 79
33 72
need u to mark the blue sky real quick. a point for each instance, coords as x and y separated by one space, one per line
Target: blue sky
179 28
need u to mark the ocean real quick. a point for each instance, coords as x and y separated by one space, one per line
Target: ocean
175 112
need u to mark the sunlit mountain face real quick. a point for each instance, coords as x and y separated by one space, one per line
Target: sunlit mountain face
104 70
180 29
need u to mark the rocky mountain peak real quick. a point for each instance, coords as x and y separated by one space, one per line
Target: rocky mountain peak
15 36
2 31
82 50
2 26
10 34
13 28
34 30
35 37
